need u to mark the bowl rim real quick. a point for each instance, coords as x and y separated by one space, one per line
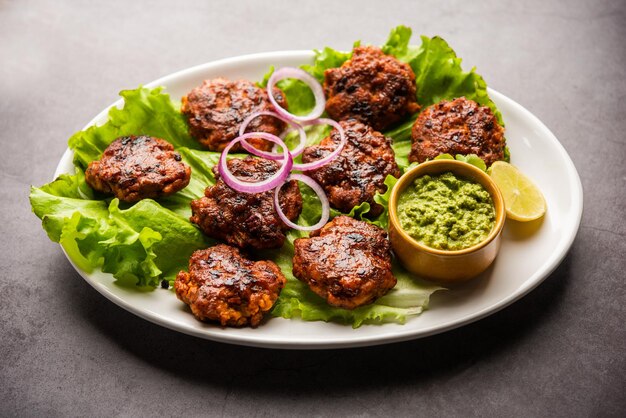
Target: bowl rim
448 165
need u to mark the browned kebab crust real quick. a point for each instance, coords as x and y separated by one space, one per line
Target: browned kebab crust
460 126
216 109
225 287
371 87
359 171
138 167
347 262
246 220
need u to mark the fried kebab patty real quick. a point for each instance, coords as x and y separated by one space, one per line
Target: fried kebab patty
223 286
216 109
359 171
371 87
246 220
347 262
460 126
138 167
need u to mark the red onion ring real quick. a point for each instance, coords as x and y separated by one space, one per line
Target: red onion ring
274 155
262 186
309 80
322 161
283 136
318 191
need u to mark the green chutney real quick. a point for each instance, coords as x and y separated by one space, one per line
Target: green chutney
446 212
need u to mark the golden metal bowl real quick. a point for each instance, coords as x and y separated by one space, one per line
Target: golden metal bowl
446 267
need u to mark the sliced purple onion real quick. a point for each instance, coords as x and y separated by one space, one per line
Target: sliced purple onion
309 80
260 153
274 155
318 191
261 186
322 161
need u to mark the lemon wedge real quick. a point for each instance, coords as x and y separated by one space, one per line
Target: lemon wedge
522 199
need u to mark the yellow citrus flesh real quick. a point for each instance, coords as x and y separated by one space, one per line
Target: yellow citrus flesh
522 199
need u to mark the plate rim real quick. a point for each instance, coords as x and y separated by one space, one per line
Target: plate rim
530 283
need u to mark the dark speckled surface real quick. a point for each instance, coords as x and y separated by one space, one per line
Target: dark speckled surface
67 351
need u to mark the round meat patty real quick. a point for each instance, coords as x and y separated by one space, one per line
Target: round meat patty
223 286
246 220
371 87
216 109
347 262
138 167
461 126
359 171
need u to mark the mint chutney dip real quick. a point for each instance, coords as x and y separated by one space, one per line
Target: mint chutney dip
446 212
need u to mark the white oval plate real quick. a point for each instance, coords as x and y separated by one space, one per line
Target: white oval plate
525 260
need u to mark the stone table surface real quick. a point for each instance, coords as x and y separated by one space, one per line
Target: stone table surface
67 351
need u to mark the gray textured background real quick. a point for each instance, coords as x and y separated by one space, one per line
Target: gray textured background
66 350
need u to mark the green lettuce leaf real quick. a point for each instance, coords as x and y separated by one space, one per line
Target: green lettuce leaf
361 211
439 76
398 44
138 245
57 201
383 199
438 71
327 58
298 301
145 112
300 99
472 159
202 176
